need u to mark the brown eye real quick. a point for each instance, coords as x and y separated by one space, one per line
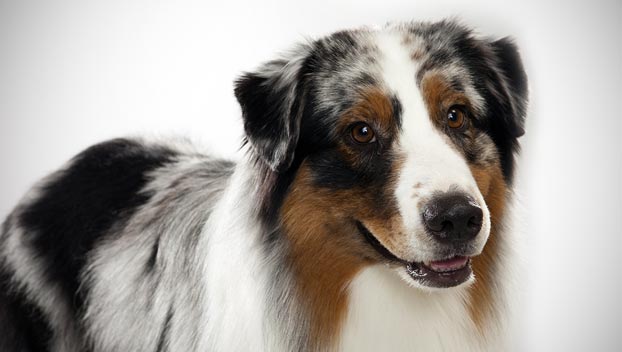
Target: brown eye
456 117
362 133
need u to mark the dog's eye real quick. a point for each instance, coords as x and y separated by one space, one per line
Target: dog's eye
456 117
363 133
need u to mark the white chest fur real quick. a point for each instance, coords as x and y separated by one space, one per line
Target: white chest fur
385 314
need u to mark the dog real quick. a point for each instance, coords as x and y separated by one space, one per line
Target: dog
367 214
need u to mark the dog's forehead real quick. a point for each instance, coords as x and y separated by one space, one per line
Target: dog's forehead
347 64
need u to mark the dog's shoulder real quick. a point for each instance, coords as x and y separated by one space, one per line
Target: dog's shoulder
71 209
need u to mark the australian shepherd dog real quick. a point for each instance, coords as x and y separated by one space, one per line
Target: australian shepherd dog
367 214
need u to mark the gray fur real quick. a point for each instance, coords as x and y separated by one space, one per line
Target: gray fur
144 282
165 289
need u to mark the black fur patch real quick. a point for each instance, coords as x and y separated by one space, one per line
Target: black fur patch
510 104
270 108
22 325
101 188
329 170
397 110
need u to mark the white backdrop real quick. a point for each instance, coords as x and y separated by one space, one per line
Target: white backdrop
76 72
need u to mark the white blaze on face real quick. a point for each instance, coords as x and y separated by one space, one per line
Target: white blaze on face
432 164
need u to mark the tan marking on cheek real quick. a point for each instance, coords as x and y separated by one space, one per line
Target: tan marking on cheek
325 249
321 264
483 177
322 254
494 189
390 233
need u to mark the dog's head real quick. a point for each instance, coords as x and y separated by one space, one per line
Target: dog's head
392 145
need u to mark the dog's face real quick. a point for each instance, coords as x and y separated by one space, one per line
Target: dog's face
392 146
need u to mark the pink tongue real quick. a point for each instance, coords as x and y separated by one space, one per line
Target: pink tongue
449 264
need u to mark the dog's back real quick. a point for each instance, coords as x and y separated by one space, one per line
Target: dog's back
123 199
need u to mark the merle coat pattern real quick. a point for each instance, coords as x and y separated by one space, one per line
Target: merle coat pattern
138 245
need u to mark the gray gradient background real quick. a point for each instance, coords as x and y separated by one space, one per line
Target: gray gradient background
76 72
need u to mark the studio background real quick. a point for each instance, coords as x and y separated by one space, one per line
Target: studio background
73 73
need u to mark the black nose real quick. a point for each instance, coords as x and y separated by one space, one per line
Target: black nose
452 217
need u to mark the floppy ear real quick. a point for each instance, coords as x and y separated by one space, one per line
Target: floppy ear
272 100
512 85
506 91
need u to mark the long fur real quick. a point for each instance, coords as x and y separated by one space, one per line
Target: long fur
138 245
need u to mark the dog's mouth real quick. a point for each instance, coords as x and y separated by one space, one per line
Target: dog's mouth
442 273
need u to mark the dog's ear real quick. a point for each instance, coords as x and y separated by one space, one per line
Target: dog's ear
511 86
272 101
502 75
